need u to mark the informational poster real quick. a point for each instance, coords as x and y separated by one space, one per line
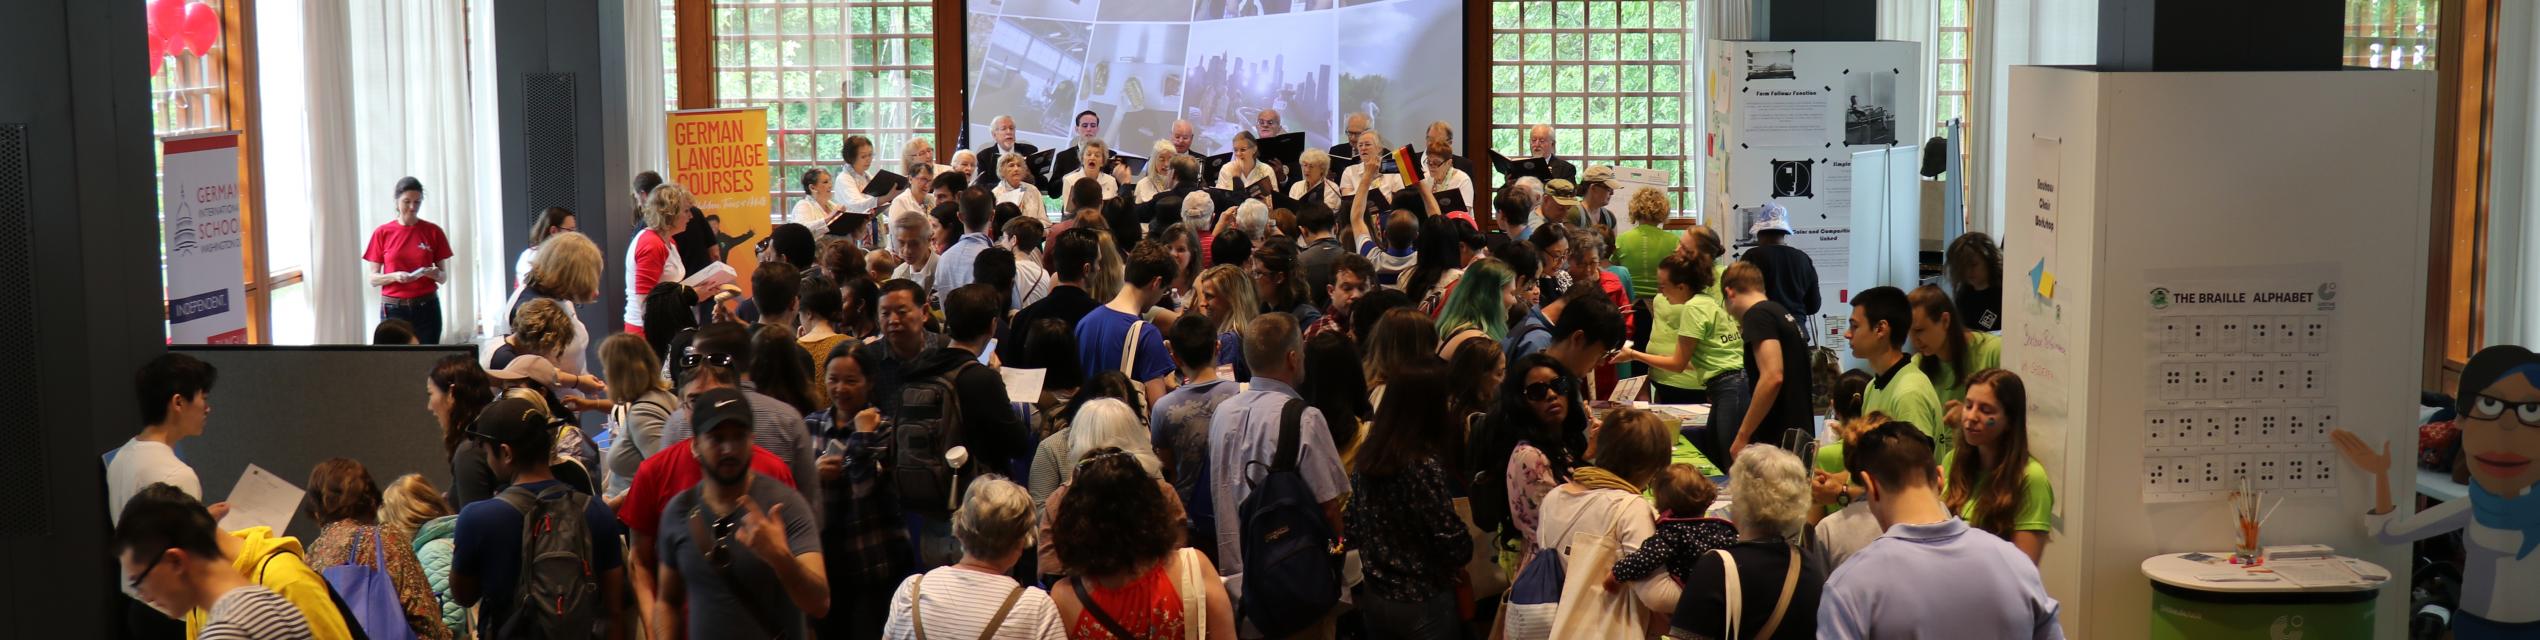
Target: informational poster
2239 363
1784 117
206 287
720 155
1633 180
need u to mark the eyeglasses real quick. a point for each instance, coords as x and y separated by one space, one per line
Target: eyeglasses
692 359
2486 407
1268 123
135 584
1543 391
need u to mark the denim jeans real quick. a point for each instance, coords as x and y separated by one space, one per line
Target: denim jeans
424 313
1433 619
1728 409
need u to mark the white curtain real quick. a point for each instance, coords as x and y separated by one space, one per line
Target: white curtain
1917 21
344 302
644 111
2513 291
410 99
2009 33
486 117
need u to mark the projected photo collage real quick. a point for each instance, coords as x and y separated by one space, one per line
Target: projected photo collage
1141 64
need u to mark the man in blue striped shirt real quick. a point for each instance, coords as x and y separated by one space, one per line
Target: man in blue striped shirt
1930 576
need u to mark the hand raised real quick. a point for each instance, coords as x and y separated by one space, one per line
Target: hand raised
2362 455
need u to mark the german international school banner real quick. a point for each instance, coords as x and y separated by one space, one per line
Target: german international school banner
720 155
207 298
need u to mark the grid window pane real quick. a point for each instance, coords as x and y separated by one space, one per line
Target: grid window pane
826 69
1609 76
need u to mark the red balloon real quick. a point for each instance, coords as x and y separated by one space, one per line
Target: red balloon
167 18
202 28
158 56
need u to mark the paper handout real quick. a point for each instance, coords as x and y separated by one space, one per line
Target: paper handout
261 499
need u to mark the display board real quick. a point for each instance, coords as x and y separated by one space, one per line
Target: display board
1786 119
1141 64
205 244
2212 226
720 155
287 408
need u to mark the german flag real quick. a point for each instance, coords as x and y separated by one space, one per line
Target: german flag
1409 163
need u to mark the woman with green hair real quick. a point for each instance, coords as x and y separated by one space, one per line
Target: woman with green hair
1478 306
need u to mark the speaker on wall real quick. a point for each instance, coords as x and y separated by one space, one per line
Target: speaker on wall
22 491
547 134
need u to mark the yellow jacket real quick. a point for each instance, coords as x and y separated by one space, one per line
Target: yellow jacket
285 574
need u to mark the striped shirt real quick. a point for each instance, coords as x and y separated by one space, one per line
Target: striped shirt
957 603
254 613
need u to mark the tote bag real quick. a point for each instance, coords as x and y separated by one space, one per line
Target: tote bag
1589 608
368 591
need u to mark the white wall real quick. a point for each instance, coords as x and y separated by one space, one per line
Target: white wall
2212 170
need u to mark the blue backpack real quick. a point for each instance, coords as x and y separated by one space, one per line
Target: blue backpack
367 592
1291 576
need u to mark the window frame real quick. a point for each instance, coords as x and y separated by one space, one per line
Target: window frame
1484 29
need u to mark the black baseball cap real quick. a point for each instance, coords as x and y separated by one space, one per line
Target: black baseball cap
510 420
716 407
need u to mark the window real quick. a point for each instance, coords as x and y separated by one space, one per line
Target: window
824 69
1614 78
2391 34
1957 28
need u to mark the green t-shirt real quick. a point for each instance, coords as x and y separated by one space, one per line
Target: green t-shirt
1717 344
1639 250
1909 397
1983 348
2037 504
1714 292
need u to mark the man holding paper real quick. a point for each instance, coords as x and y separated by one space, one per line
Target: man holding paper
176 392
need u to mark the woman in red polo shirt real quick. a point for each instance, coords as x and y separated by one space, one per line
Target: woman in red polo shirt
409 259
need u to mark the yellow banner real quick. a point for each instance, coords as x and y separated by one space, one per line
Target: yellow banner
720 155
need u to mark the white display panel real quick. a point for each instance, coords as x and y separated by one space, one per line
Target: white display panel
1787 119
2190 181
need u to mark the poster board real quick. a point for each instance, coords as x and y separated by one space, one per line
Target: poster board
1632 180
205 244
2238 188
1786 119
720 155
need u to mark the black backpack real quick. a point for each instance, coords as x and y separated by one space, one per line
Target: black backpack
1291 576
928 423
557 595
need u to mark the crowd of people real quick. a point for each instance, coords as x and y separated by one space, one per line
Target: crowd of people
1334 409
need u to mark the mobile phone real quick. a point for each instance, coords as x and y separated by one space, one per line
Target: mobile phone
1609 355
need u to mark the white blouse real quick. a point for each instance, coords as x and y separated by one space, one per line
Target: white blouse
847 190
1331 194
1260 171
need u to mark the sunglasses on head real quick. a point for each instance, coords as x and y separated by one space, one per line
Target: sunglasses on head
691 359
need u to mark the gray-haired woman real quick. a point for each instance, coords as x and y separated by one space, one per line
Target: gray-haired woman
975 598
1778 580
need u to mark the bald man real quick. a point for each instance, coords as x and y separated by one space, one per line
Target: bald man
1182 137
1001 142
1539 144
1353 125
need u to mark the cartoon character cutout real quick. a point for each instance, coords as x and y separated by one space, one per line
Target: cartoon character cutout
2499 404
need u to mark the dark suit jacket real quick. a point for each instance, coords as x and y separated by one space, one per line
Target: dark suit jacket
1060 163
1562 169
1166 209
989 156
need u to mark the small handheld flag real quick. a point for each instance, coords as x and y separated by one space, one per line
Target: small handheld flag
1409 162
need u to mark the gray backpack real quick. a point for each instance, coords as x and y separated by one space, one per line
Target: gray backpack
557 595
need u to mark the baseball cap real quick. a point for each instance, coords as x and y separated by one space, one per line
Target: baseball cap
1771 217
716 407
536 369
510 420
1598 174
1562 191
